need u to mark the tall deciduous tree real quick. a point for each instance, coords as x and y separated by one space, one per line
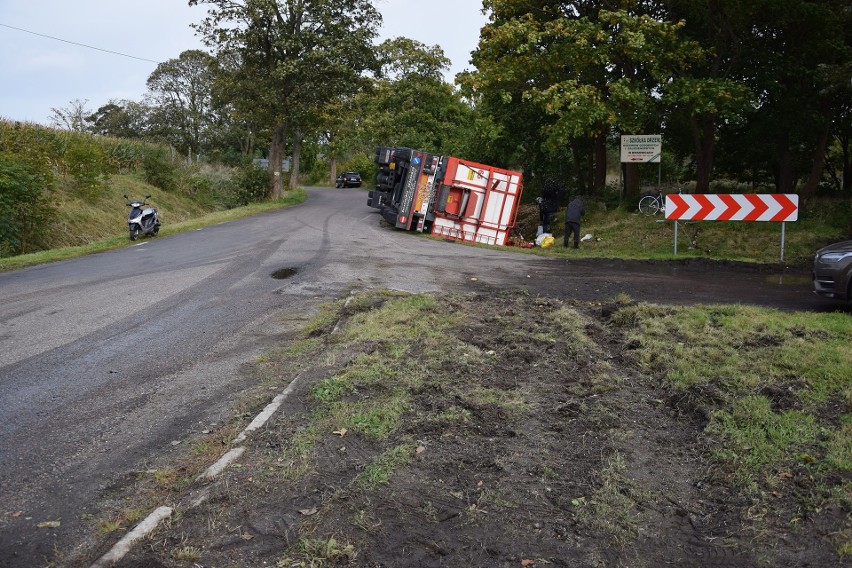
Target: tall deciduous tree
793 57
122 119
570 73
410 103
293 57
182 92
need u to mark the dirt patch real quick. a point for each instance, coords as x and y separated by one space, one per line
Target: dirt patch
536 441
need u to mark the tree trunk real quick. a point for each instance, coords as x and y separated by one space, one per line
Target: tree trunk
784 173
276 155
704 135
333 164
846 182
297 154
810 188
247 144
631 181
600 164
580 167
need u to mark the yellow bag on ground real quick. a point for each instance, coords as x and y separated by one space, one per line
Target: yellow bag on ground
547 242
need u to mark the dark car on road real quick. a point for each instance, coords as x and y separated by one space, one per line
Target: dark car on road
349 179
833 271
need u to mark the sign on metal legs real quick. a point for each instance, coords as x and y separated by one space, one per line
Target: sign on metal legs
773 207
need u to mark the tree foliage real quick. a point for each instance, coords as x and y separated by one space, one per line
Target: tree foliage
288 60
71 117
764 83
120 119
182 91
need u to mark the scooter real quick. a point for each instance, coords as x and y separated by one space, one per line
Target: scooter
142 221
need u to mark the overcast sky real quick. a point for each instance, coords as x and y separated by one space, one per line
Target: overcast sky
38 73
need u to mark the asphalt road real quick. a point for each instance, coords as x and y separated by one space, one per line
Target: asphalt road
107 361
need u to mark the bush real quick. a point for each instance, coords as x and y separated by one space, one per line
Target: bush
24 211
87 163
123 156
160 170
250 184
212 185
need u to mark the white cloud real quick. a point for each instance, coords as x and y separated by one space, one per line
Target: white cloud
52 61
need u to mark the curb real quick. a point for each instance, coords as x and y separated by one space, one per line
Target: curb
147 526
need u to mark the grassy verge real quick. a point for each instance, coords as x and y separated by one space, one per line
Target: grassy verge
168 228
538 430
775 390
619 233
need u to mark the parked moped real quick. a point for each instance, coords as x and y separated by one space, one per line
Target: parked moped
142 220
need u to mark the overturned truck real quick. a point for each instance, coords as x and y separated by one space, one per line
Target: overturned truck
446 196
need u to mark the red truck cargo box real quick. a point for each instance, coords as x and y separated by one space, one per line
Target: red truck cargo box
477 203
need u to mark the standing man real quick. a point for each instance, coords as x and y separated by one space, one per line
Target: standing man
549 202
575 211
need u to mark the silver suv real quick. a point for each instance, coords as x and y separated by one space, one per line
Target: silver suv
833 271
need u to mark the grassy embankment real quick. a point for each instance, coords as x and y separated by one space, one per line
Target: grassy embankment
61 193
102 224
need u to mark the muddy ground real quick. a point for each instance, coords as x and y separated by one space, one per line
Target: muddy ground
598 466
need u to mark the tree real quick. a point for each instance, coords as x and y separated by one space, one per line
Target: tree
292 58
774 81
121 119
711 93
181 90
71 117
560 77
410 104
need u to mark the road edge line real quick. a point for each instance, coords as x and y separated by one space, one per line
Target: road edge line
222 463
141 530
267 412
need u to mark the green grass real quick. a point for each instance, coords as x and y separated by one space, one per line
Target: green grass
615 504
776 380
383 467
318 553
624 233
693 345
756 439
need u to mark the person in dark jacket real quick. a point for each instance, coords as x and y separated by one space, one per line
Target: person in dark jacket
549 202
575 211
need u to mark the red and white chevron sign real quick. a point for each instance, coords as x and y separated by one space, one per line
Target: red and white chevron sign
732 207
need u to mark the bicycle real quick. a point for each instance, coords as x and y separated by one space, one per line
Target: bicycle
652 204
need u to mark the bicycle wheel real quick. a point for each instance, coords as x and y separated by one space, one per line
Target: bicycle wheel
649 205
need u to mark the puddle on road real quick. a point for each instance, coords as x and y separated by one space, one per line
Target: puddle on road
283 273
790 279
